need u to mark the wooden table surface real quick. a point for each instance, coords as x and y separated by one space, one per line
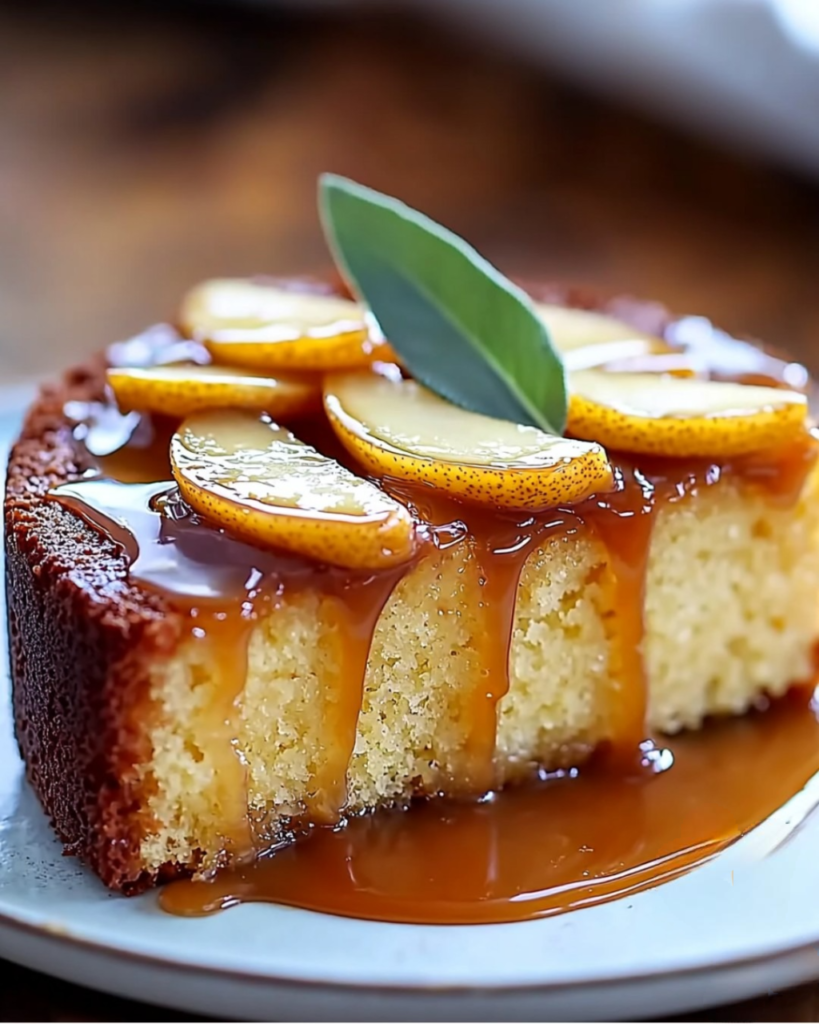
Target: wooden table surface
145 147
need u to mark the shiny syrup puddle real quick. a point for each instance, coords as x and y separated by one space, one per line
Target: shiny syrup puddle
575 839
538 849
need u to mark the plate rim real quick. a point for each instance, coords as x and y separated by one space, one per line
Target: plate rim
708 966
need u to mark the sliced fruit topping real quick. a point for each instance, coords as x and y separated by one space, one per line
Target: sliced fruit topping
650 414
263 485
182 390
264 327
586 339
399 428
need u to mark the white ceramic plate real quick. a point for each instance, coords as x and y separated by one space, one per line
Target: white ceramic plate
743 924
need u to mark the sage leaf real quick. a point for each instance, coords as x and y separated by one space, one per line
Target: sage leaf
461 328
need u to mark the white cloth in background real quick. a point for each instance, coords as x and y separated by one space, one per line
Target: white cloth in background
746 71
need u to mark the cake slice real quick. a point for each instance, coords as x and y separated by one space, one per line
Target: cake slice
172 727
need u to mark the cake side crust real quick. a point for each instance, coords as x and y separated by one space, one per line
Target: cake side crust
80 637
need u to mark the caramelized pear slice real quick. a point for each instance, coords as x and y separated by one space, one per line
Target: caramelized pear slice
670 416
398 428
182 390
263 327
261 484
587 339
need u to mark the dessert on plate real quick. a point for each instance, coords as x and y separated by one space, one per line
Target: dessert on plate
303 556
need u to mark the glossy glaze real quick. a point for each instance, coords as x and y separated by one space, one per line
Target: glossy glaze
637 814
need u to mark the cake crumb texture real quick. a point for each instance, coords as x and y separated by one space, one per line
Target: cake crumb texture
732 603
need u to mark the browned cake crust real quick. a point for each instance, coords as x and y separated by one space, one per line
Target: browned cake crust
79 633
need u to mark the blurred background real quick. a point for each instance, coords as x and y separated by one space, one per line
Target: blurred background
665 147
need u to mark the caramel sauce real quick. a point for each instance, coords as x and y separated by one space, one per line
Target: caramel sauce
215 581
622 520
616 826
539 849
222 586
499 543
353 611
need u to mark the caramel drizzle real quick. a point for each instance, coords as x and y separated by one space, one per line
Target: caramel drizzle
222 587
501 560
220 606
351 612
227 635
623 520
500 544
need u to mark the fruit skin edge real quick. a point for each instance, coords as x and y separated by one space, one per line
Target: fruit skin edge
345 340
379 536
183 390
710 436
516 489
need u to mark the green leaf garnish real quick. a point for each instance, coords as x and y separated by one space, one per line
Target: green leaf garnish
459 325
